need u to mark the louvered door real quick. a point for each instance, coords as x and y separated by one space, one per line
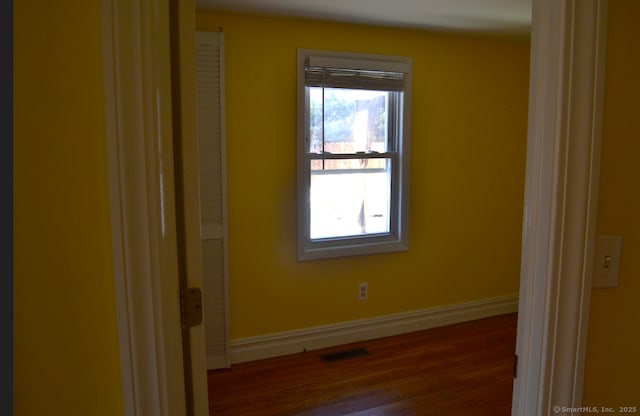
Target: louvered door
211 159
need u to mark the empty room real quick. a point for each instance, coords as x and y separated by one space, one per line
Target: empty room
442 189
222 208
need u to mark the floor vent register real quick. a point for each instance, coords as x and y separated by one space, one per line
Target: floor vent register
345 355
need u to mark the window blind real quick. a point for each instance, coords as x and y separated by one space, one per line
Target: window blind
354 79
367 74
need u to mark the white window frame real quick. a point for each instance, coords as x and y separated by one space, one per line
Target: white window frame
398 237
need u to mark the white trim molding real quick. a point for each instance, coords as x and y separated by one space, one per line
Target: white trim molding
141 185
563 152
291 342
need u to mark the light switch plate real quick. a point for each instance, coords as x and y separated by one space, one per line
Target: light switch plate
606 262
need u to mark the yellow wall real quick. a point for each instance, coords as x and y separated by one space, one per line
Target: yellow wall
66 346
468 150
612 373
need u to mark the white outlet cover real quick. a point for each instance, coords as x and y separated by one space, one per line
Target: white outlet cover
363 291
606 261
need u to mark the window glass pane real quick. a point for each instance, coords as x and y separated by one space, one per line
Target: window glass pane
345 120
350 197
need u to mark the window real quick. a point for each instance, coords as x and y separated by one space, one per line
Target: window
353 153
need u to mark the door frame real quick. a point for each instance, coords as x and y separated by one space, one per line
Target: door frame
563 148
568 42
138 124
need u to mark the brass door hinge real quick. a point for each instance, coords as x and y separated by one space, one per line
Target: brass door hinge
191 307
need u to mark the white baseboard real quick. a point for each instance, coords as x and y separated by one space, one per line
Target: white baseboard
291 342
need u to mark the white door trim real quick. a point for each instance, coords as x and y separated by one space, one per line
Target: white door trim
563 153
140 159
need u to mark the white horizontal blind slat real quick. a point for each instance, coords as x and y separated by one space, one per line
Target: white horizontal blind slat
358 64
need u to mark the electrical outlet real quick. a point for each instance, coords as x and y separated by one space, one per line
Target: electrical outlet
363 291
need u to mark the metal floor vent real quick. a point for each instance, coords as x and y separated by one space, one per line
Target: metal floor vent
345 355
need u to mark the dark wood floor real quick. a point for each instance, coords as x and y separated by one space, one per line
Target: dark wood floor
462 369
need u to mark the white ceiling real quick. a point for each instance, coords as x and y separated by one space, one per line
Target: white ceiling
498 17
